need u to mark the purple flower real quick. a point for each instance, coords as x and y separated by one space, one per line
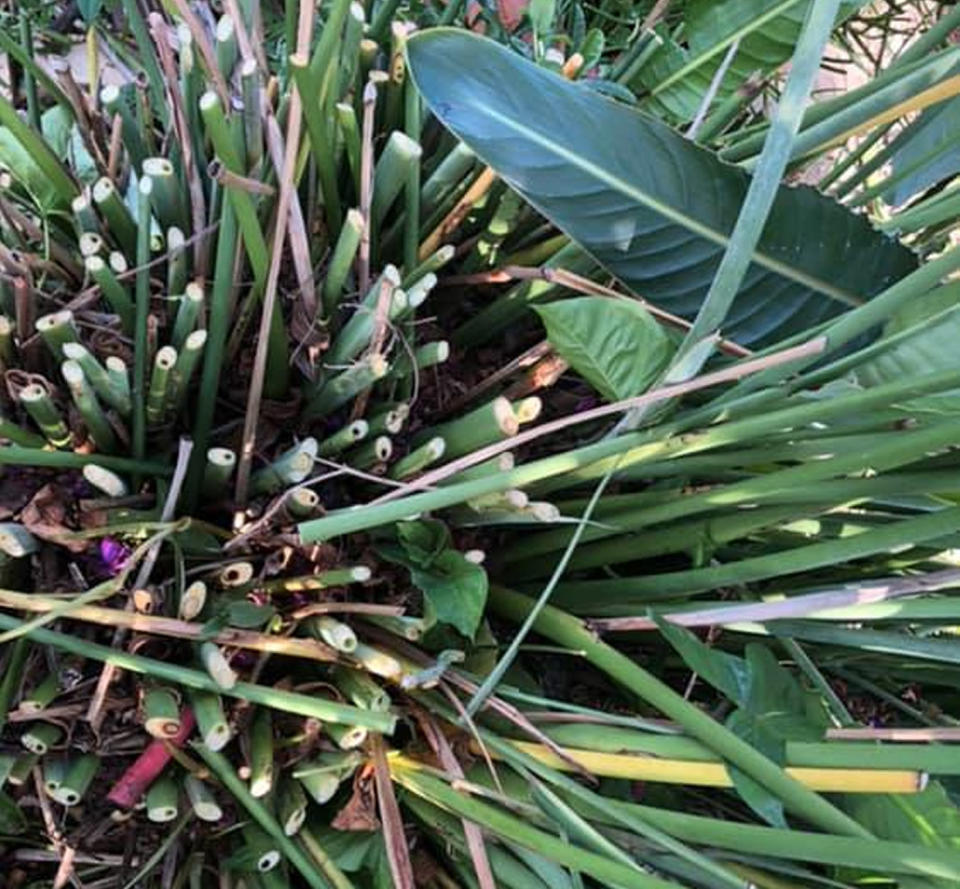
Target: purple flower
113 554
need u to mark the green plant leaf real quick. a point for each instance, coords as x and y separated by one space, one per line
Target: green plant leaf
926 351
678 76
725 672
654 209
89 9
928 819
12 818
615 345
455 589
926 153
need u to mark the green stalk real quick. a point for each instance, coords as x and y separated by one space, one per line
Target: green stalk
451 171
321 142
161 712
349 52
221 299
211 721
222 768
278 699
252 119
184 370
348 384
101 432
30 455
225 38
40 695
261 754
277 373
371 455
39 737
113 292
202 800
163 364
320 581
350 133
84 215
600 596
56 330
341 262
22 769
12 676
77 779
335 633
191 304
221 463
301 503
44 413
344 438
430 266
520 832
120 224
16 541
162 800
400 158
217 665
418 460
427 355
571 633
166 197
99 378
291 806
491 422
290 468
359 688
355 335
140 344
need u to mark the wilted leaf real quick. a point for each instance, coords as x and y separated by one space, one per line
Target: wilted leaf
45 517
615 345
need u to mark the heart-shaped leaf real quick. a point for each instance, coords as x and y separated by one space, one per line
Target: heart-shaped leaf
654 209
613 344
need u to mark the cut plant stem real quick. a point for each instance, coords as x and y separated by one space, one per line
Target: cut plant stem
419 459
322 580
163 364
141 316
360 689
133 783
347 385
99 378
219 468
77 778
39 405
400 155
223 770
291 806
290 468
341 262
161 712
343 439
217 666
16 542
192 601
191 304
202 800
55 330
166 196
119 221
40 695
184 370
261 753
335 633
488 423
113 291
40 737
347 737
162 800
427 355
101 432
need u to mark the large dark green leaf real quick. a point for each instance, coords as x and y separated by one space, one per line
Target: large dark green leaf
678 75
654 209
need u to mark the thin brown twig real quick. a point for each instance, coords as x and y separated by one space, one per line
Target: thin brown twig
199 35
150 624
398 853
674 390
287 180
451 222
366 184
198 213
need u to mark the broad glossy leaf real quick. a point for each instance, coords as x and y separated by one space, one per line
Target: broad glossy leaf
678 76
926 153
929 350
615 345
654 209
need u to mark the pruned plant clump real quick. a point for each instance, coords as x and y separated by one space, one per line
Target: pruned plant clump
484 445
